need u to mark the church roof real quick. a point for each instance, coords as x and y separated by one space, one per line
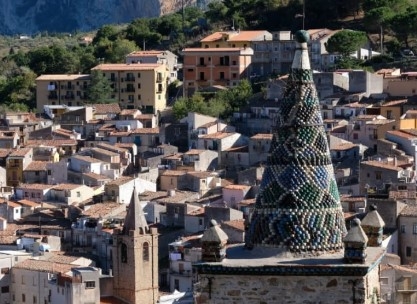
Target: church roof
135 218
298 207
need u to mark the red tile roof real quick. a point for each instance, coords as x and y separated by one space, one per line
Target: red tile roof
36 165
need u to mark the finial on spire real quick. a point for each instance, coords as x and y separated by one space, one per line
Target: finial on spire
302 36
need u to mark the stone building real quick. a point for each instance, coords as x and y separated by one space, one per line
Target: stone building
135 258
295 249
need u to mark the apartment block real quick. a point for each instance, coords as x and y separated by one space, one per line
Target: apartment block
138 86
208 67
155 56
69 90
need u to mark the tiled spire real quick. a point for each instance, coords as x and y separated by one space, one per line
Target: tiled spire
135 218
298 207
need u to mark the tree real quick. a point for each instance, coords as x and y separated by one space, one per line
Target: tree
345 42
53 59
109 32
99 90
395 5
119 49
405 24
377 19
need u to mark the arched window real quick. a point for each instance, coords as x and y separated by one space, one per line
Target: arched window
123 253
146 251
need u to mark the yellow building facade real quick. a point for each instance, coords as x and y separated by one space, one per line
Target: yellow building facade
138 86
61 89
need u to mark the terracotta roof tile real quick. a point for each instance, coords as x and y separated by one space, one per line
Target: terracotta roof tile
121 181
88 159
102 210
65 77
28 203
402 134
146 131
344 147
96 176
126 67
235 224
52 142
43 266
5 152
237 187
109 108
194 152
381 165
36 165
262 136
20 152
34 186
217 135
172 173
66 187
394 103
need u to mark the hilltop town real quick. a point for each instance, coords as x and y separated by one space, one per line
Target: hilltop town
120 202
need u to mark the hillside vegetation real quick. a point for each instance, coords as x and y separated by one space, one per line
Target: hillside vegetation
24 58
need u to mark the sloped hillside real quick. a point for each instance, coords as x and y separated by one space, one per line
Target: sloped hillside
32 16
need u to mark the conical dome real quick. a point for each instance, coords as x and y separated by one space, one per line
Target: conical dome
298 206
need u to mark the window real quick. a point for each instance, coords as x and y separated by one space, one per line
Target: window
78 194
23 280
35 300
138 75
23 297
200 222
402 228
123 253
415 228
355 135
5 289
378 175
5 270
138 85
90 284
408 251
177 284
146 251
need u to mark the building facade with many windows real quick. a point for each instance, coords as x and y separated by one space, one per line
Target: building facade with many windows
69 90
137 86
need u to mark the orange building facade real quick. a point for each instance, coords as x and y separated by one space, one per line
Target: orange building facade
205 67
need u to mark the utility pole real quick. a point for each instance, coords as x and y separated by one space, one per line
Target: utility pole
304 13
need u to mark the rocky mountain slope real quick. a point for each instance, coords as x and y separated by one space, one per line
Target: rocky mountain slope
32 16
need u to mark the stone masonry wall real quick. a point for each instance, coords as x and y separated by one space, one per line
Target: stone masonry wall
287 289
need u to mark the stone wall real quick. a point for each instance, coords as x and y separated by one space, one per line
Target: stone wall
244 289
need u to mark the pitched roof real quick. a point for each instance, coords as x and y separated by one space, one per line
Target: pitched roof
135 218
106 108
43 266
381 165
36 165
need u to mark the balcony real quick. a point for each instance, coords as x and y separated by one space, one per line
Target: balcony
52 96
159 78
130 90
130 78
